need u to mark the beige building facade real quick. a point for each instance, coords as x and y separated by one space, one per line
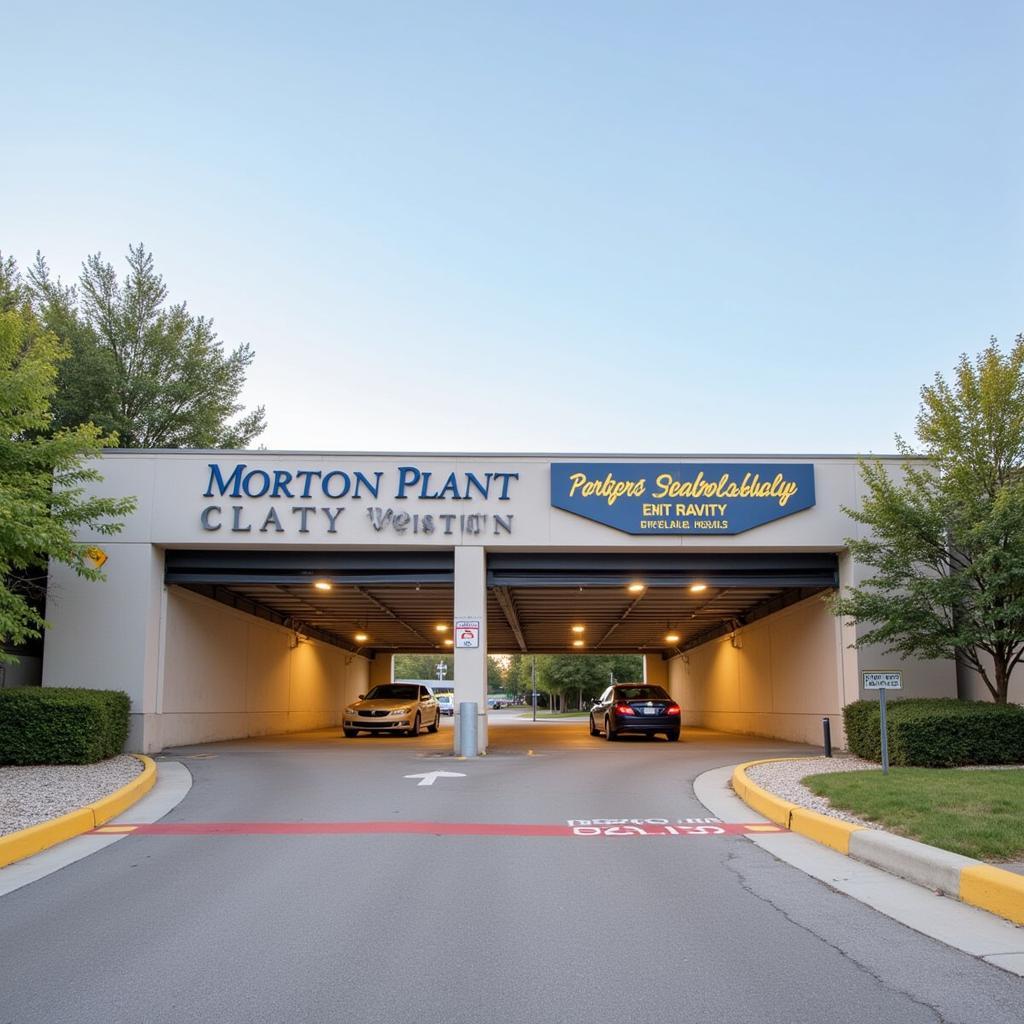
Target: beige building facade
260 592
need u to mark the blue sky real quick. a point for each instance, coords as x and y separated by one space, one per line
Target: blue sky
685 227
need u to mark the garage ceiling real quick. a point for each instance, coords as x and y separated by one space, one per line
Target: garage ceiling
397 600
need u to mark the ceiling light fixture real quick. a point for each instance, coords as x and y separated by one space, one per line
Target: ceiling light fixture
361 638
322 585
442 627
577 643
578 629
636 588
672 638
449 642
696 588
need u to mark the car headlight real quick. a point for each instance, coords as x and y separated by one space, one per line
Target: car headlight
402 711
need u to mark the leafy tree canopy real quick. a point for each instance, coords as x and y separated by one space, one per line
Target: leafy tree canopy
945 542
43 474
151 372
423 666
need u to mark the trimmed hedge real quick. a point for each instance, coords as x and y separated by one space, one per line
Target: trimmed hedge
61 725
938 733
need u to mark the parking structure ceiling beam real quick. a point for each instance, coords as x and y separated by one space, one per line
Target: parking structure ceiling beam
508 608
622 618
391 614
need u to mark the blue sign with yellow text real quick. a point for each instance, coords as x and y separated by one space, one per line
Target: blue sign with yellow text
682 497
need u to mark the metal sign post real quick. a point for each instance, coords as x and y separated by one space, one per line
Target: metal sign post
882 681
533 686
885 731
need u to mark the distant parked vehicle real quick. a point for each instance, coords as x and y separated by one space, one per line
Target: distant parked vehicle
497 703
445 703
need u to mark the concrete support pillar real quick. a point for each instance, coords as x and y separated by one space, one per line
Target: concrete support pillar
655 670
471 662
109 635
381 669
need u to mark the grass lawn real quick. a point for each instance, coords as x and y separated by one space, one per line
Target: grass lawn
975 813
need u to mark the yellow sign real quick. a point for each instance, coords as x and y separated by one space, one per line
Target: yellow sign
95 558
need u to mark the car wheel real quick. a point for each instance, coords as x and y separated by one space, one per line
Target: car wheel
351 733
415 730
594 731
437 721
609 732
673 736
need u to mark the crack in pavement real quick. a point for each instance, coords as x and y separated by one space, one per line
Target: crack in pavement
864 926
746 886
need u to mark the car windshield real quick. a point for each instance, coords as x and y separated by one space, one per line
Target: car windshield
393 692
641 693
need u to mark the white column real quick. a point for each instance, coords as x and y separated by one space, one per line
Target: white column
655 670
471 662
106 635
847 656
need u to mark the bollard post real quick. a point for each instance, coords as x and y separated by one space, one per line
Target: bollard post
467 728
826 728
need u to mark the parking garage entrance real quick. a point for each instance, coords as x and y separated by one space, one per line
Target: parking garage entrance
260 592
673 609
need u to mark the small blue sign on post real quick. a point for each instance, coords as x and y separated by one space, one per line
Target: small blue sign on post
682 497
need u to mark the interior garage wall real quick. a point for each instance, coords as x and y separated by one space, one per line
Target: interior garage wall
227 674
781 681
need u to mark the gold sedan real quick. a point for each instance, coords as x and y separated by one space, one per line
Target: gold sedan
393 707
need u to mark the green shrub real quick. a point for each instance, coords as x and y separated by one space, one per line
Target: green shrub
938 733
62 725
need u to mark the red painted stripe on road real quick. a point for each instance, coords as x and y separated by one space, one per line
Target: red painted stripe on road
435 828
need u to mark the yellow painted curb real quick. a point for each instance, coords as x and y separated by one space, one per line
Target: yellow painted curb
774 808
990 888
994 889
28 841
121 799
819 827
823 829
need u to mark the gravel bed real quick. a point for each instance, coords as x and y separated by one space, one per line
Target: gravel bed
34 793
783 779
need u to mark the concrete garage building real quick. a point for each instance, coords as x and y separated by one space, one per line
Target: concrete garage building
260 592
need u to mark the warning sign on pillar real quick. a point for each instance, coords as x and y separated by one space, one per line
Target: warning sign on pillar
467 633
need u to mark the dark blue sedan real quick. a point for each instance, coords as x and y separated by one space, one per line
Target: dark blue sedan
634 707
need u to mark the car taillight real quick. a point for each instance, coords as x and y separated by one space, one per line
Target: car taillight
624 709
672 709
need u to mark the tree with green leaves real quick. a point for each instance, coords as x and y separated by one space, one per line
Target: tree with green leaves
946 541
423 666
44 474
577 678
151 372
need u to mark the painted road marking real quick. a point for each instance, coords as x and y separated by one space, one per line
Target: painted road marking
105 830
434 828
429 778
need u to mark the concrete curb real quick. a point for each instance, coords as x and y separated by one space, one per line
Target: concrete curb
29 841
970 881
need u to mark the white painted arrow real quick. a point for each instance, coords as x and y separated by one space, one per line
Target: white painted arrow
429 778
